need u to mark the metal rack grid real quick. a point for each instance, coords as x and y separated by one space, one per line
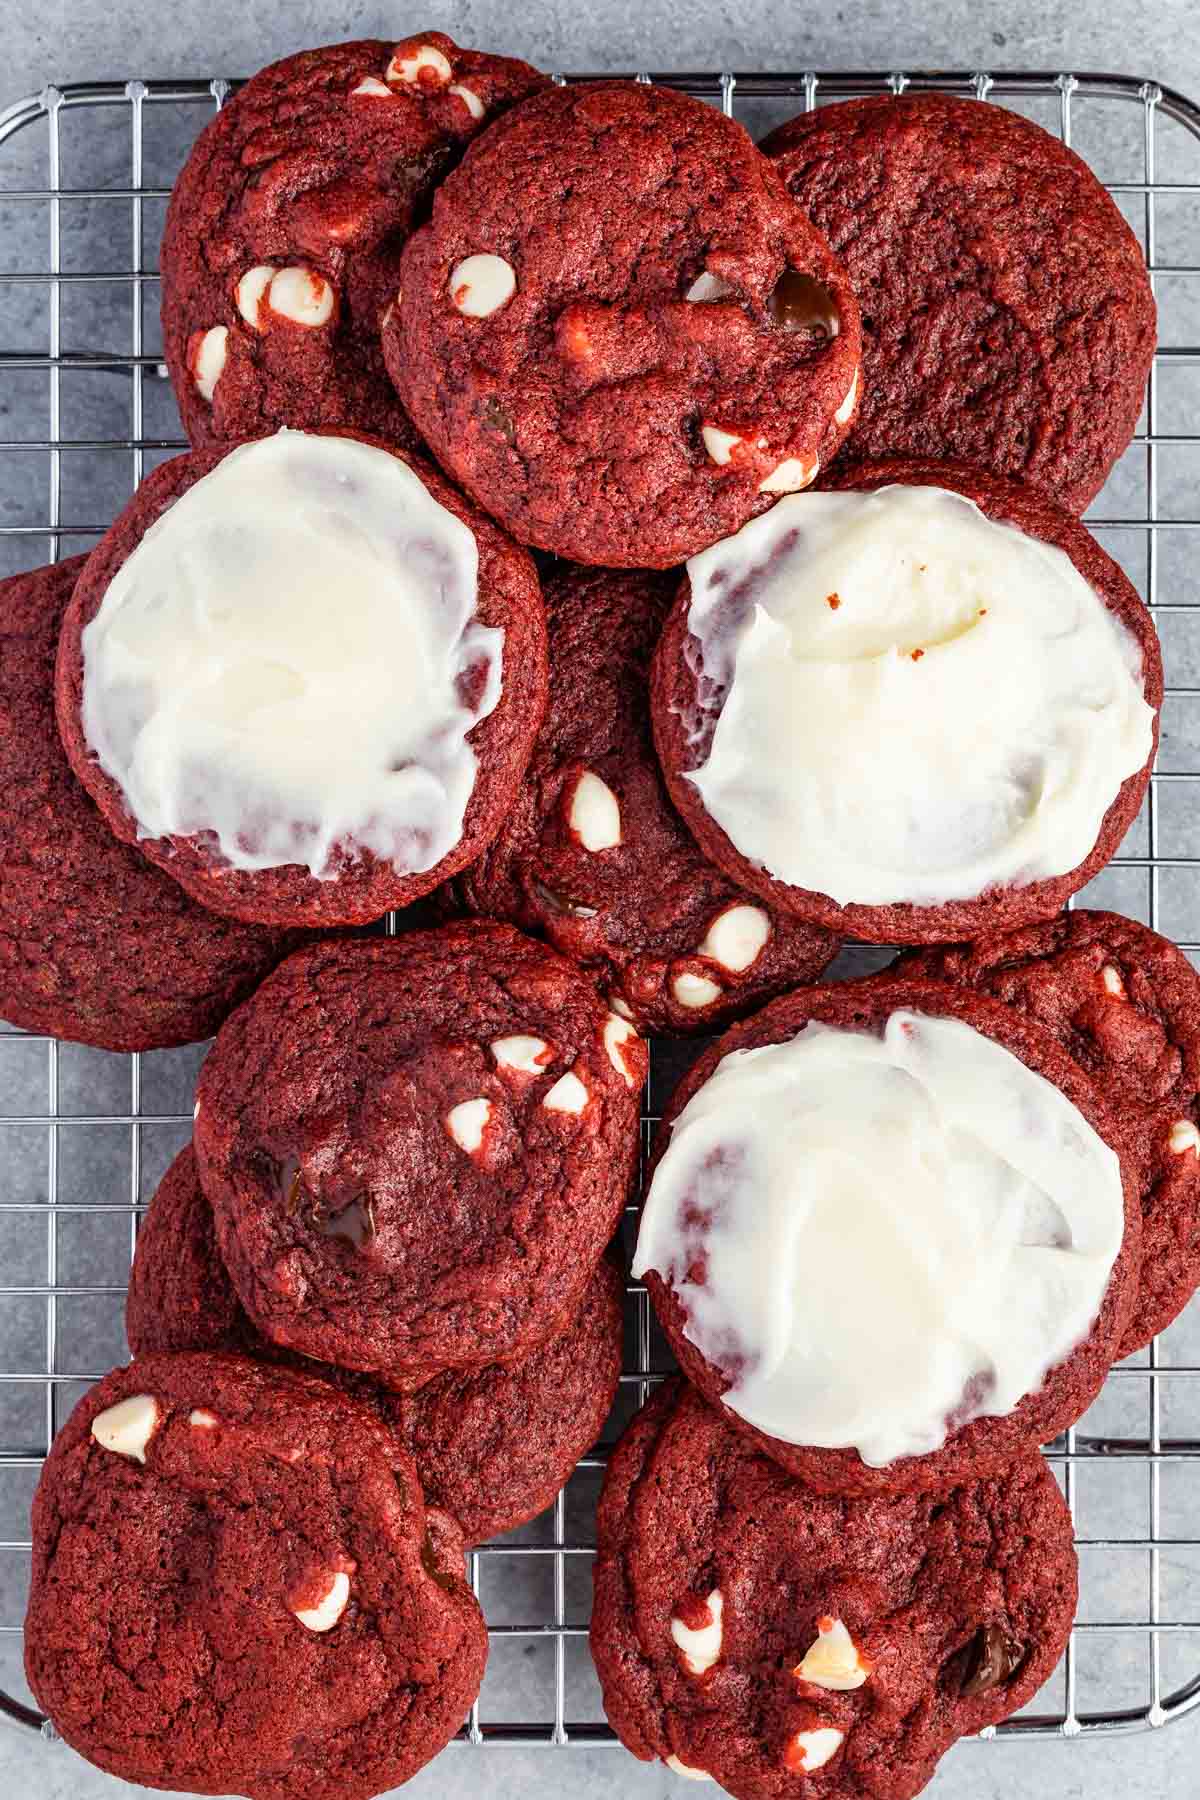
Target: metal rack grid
1128 1452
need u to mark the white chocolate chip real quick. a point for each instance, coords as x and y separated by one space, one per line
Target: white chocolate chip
250 290
833 1660
195 1112
694 990
302 296
1184 1137
709 287
371 84
719 444
210 360
481 285
700 1649
527 1054
386 320
203 1420
127 1427
686 1769
789 476
326 1613
409 68
469 98
1112 981
847 407
568 1094
736 937
811 1750
595 815
617 1032
467 1123
620 1006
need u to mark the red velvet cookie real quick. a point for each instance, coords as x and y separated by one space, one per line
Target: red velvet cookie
618 332
1126 1004
416 1149
237 1588
283 237
96 945
700 1250
493 1446
261 869
594 855
786 1643
689 700
1008 320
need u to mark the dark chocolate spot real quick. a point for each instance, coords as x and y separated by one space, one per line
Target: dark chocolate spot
355 1222
800 302
986 1662
496 418
557 902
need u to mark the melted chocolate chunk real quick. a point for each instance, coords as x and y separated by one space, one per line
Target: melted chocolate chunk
559 903
800 302
355 1223
496 418
989 1660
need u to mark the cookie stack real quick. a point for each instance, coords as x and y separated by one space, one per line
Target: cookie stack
661 555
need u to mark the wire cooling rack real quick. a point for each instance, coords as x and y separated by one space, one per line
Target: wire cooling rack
85 172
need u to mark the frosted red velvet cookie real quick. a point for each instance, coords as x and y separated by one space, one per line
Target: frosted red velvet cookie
920 704
890 1231
304 676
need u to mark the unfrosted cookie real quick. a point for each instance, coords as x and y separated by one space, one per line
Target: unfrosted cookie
893 1231
918 705
1008 319
96 945
594 855
788 1644
417 1149
237 1588
283 237
304 676
1126 1004
618 332
493 1446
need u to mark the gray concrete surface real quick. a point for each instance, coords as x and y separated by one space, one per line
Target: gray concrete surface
86 40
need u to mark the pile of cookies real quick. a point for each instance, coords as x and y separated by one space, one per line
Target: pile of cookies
651 558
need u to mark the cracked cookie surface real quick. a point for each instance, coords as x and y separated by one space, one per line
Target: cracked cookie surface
417 1149
237 1587
787 1643
618 331
1008 319
982 1446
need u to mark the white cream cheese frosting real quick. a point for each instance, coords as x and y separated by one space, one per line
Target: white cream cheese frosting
881 1237
920 704
290 661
